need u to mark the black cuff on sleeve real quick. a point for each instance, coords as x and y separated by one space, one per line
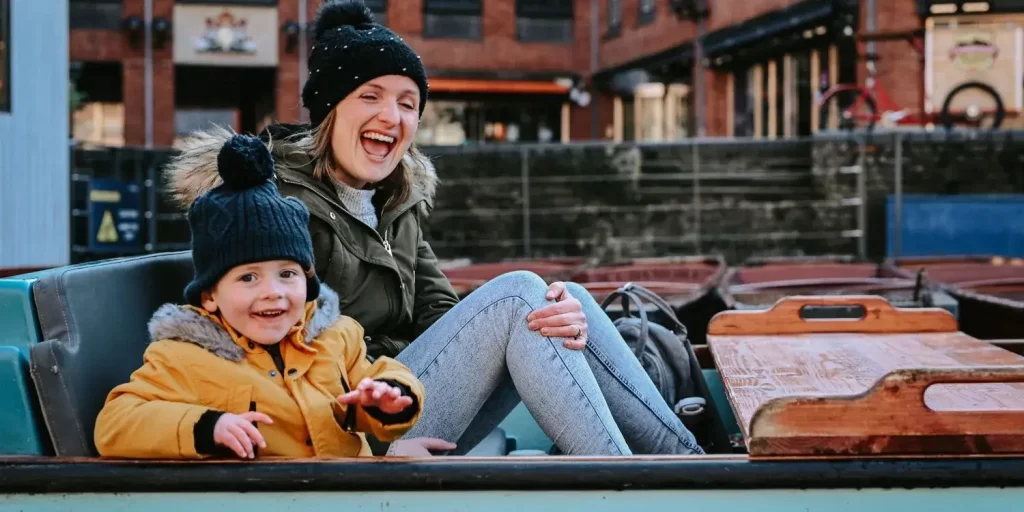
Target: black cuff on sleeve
202 433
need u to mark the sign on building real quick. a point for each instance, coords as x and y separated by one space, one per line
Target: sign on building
225 35
115 219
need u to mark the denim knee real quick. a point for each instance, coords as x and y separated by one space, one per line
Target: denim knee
520 281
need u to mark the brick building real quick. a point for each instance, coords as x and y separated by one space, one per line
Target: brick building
501 70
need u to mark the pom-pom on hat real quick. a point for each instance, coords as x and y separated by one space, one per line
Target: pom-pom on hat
350 49
245 220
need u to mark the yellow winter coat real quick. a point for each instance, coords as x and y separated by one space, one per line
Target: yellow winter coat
197 363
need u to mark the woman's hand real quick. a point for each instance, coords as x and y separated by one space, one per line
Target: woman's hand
237 432
372 393
563 319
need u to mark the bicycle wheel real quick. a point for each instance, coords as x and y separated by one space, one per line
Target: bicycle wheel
851 108
973 103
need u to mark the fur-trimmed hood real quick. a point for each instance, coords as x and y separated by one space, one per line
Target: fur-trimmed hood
182 323
193 171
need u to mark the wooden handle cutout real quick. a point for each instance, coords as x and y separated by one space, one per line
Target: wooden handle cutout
879 317
891 417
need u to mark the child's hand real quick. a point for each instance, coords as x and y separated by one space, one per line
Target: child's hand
371 393
237 432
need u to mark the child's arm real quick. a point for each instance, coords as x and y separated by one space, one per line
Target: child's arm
154 414
383 426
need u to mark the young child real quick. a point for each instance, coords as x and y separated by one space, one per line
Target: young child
260 361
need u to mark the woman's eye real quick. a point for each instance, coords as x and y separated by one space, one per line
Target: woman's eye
370 97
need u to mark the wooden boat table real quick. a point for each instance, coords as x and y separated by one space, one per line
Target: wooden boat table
892 382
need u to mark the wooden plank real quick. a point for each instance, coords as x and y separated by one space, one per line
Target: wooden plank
785 318
877 387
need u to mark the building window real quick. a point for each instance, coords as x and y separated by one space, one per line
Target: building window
544 21
5 55
379 8
453 19
647 11
614 17
99 124
94 14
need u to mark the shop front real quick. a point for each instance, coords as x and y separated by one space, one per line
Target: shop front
973 60
777 64
652 96
468 110
225 60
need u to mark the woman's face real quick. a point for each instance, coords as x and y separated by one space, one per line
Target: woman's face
374 127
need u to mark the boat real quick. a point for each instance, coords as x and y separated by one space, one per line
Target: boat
989 290
687 283
760 282
71 334
467 276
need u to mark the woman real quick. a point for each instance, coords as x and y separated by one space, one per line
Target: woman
368 191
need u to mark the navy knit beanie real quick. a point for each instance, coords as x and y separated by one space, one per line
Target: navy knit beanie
245 220
350 49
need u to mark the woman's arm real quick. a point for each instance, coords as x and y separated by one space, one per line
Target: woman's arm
434 293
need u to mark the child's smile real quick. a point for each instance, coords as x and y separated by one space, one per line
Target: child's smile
262 301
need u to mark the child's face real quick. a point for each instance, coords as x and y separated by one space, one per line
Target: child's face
260 300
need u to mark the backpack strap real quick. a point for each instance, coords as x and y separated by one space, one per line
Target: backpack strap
660 303
627 298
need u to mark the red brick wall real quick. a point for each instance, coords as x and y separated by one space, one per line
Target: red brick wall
636 41
498 50
133 70
731 12
901 68
288 104
97 45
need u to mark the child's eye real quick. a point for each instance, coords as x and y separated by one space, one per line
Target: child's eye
289 274
247 278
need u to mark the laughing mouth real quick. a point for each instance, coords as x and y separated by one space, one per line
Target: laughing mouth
377 144
269 313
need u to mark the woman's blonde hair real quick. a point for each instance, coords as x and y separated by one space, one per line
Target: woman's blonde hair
316 143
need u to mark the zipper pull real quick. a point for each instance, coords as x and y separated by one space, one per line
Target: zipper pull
387 245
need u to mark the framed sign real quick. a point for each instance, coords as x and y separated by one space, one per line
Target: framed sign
225 35
115 220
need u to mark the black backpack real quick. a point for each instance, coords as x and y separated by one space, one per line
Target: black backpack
668 358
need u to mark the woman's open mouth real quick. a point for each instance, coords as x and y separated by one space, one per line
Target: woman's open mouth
377 145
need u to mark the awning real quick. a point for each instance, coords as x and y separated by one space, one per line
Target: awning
472 85
666 64
755 31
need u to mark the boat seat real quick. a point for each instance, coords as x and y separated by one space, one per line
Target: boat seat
494 445
92 320
93 325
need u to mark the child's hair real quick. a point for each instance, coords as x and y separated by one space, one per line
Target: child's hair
246 220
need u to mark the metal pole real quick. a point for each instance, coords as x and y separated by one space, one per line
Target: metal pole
595 125
525 182
897 210
862 212
696 198
699 106
870 12
148 72
303 72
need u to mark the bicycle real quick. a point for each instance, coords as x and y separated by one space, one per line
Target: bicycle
864 106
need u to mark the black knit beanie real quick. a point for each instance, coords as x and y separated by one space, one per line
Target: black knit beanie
245 220
350 49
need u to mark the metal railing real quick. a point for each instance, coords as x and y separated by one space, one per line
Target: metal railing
737 198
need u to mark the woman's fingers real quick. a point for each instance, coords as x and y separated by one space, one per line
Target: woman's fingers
562 320
566 306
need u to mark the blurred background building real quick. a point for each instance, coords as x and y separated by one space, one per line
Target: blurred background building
501 70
